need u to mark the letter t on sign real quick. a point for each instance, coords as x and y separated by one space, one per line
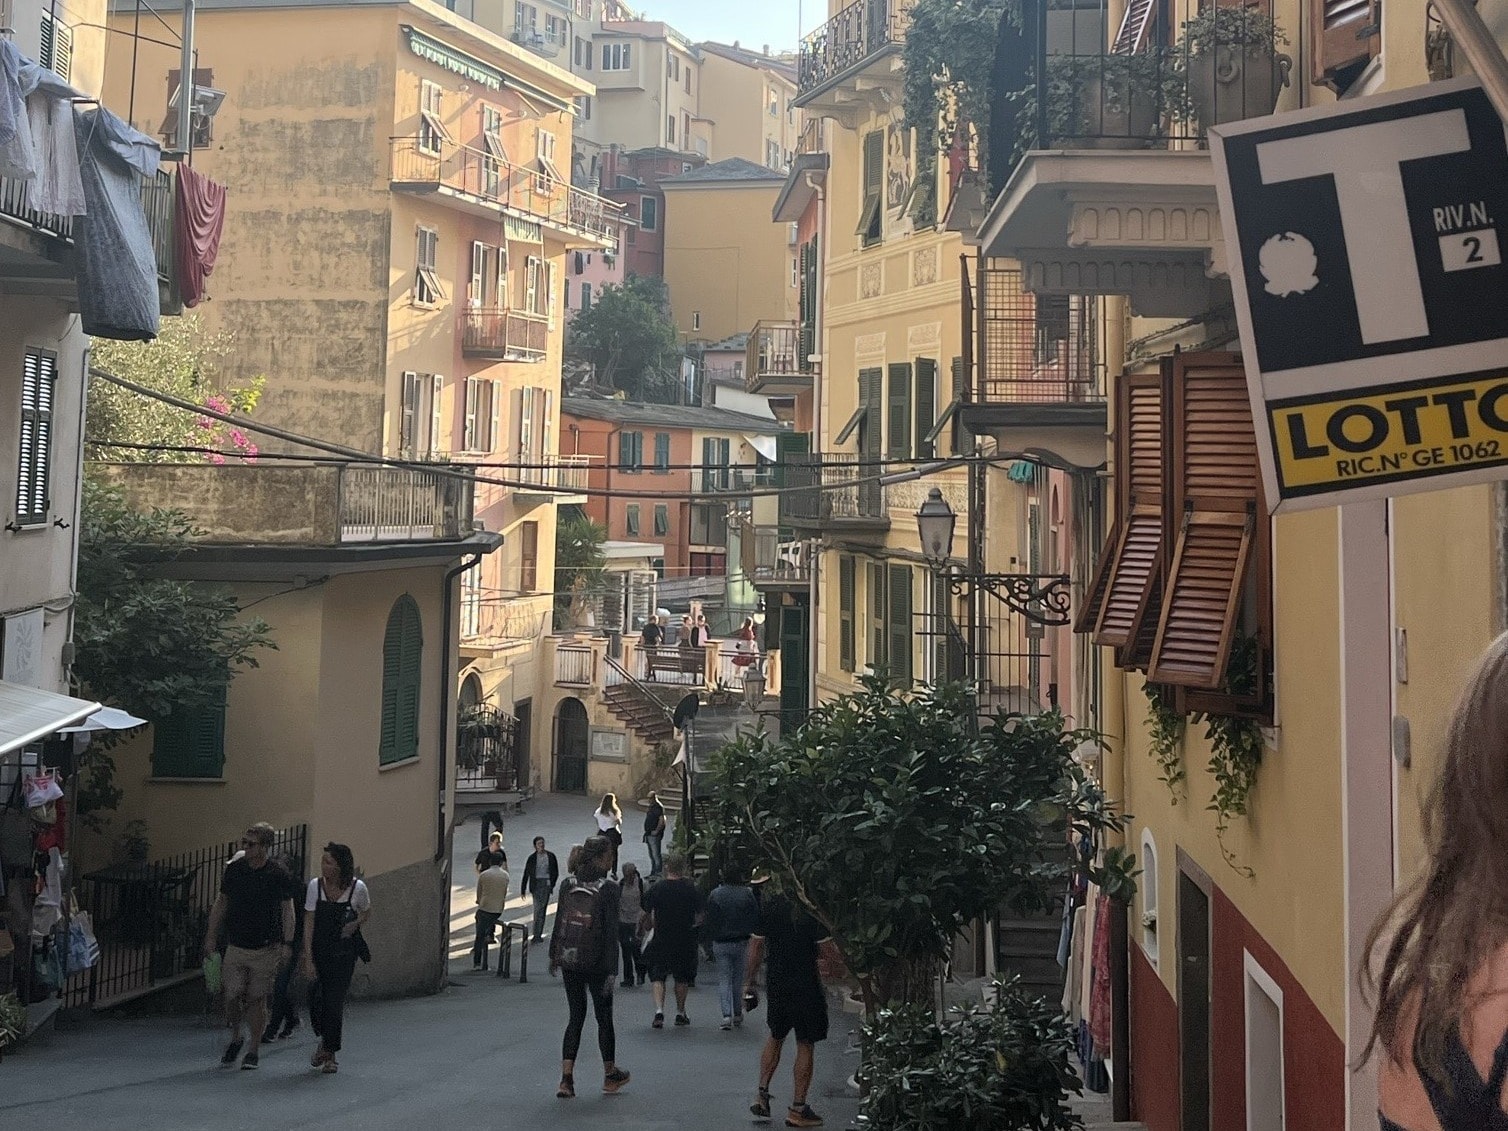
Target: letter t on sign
1365 162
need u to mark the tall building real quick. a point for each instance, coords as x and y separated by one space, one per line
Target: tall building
396 244
750 99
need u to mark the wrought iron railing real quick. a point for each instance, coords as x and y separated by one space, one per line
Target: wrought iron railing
14 206
832 487
778 351
156 204
534 193
488 757
150 917
511 335
773 555
557 473
1034 349
860 30
396 504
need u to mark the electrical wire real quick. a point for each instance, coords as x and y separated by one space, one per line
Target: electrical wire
444 471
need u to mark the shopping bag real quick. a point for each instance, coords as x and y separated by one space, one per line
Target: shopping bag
83 947
41 788
212 974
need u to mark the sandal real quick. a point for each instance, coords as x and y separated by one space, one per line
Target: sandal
567 1089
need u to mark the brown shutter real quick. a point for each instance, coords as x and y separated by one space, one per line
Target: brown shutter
1215 498
1135 26
1094 596
1346 33
1139 468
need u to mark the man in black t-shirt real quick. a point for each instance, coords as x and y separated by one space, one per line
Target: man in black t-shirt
492 853
673 907
255 908
788 941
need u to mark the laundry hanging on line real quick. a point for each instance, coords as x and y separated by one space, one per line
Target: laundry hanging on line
198 220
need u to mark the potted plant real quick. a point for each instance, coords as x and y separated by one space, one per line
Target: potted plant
1235 69
1101 101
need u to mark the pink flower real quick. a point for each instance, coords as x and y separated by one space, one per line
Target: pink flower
204 422
238 437
216 458
217 402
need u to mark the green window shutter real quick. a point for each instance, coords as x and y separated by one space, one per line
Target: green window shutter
963 443
662 518
845 612
402 675
631 518
871 395
709 463
900 625
662 451
877 610
789 444
190 743
926 406
625 450
899 446
871 212
638 450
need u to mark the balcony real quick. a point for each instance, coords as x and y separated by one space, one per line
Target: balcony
779 358
835 493
557 479
1039 380
852 63
504 335
1114 191
731 480
36 248
326 505
773 558
489 186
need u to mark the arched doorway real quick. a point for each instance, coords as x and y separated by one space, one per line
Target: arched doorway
572 731
471 694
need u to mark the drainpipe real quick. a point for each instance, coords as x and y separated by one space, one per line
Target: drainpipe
447 604
819 332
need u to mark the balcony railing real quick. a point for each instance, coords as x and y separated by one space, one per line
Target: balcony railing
156 204
777 352
731 480
557 473
506 335
575 664
1034 349
772 556
532 192
847 40
14 207
833 487
394 504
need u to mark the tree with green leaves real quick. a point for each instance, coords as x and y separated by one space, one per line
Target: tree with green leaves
579 561
628 337
897 821
185 361
146 643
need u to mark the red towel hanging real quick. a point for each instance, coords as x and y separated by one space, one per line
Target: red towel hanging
198 220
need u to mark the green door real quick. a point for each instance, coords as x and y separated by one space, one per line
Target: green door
795 622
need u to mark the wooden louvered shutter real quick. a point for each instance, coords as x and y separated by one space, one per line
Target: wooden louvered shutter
877 610
1138 550
1346 33
845 613
1136 27
1099 584
1216 497
963 439
39 377
902 632
926 406
402 671
899 443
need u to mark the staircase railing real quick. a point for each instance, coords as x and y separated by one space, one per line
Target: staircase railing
615 674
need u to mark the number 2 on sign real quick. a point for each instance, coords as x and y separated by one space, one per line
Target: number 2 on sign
1461 251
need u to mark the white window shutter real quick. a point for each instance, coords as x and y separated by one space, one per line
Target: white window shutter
436 415
494 427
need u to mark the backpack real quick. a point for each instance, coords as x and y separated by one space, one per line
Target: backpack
583 928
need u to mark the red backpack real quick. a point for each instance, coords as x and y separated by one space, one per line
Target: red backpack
583 929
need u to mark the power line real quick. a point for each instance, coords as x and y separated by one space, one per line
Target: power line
445 471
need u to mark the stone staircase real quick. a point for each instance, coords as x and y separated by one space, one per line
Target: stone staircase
641 710
1027 947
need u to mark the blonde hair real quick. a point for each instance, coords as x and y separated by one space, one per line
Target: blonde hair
609 807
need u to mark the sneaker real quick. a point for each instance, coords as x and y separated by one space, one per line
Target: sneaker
288 1029
658 1022
329 1067
614 1080
738 1020
802 1116
269 1034
250 1062
567 1089
232 1051
682 1019
760 1108
727 1025
319 1057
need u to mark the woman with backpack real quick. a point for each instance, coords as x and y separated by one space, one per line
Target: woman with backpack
584 951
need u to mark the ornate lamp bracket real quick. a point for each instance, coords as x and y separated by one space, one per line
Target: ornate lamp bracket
1042 598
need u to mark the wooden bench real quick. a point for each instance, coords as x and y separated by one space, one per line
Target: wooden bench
675 661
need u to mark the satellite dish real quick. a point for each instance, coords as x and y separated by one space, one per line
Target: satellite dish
686 710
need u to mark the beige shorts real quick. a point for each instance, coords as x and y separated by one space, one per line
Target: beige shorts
250 974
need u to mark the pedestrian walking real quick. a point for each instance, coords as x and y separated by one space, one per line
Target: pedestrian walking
541 874
583 951
788 942
1440 1021
673 910
630 912
654 833
283 1018
732 917
745 650
610 824
338 905
255 909
491 902
492 853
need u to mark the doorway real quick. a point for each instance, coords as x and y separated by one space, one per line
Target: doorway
1194 1001
572 732
523 739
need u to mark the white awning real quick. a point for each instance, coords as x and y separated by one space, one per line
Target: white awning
765 446
106 718
27 715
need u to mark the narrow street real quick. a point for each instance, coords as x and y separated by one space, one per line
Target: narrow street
484 1052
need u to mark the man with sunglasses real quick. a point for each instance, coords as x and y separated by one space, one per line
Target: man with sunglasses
255 908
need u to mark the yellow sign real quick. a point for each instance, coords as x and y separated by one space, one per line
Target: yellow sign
1389 434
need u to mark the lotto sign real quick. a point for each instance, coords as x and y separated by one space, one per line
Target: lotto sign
1366 249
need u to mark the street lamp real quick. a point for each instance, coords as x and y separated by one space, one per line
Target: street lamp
934 525
754 686
759 612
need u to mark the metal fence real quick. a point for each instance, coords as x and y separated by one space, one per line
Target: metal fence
500 333
150 917
488 757
1035 349
842 490
853 35
380 504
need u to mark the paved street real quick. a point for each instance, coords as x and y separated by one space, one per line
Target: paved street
485 1052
